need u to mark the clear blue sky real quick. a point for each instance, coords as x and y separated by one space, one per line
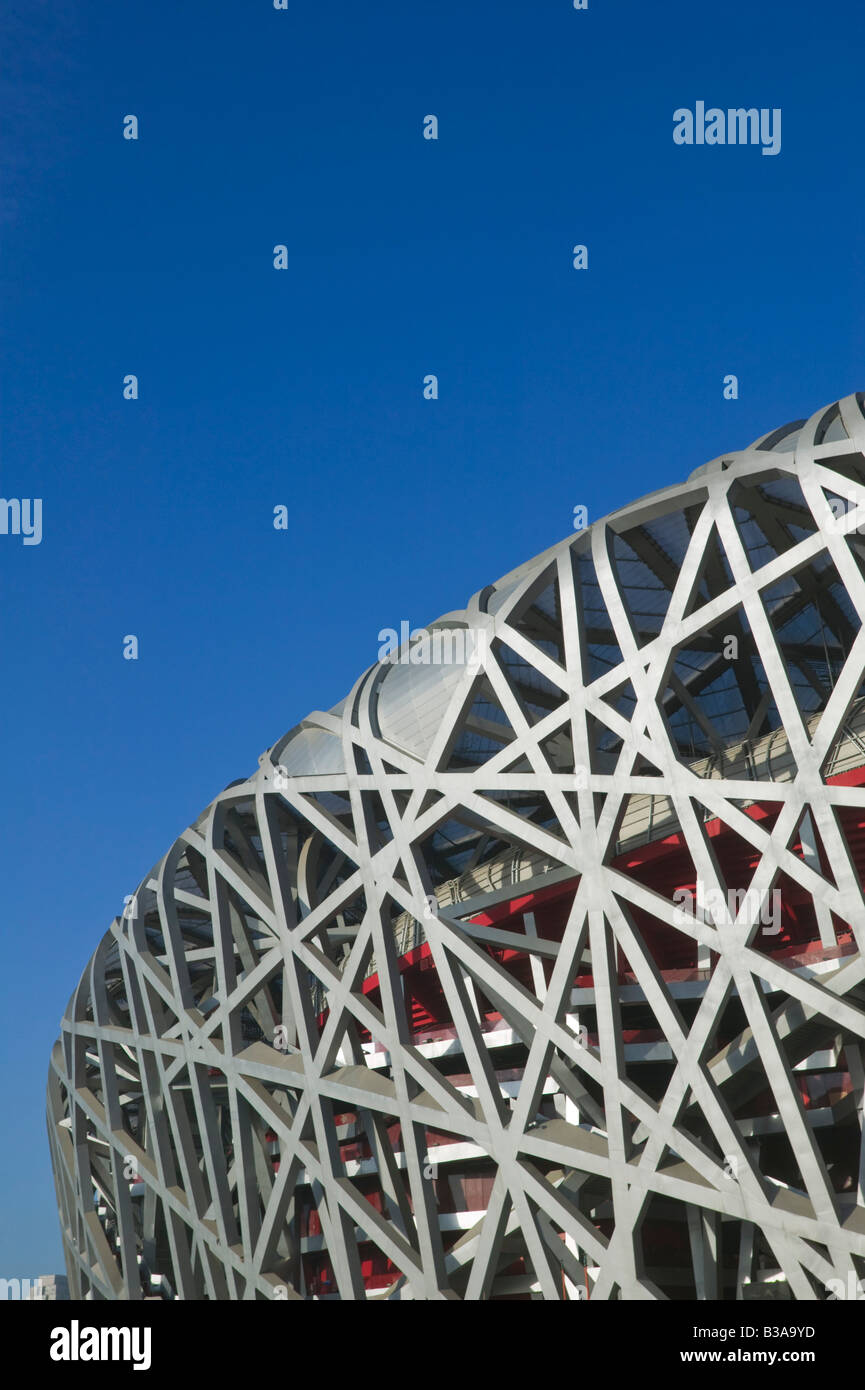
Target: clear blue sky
304 387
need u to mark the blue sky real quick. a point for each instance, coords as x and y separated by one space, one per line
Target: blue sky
303 387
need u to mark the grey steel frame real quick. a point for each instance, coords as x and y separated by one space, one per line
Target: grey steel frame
194 1030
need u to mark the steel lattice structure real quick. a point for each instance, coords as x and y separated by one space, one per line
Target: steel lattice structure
462 995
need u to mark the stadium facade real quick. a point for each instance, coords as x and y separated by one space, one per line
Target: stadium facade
533 974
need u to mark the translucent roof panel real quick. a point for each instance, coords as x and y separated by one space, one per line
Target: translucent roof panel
313 753
413 700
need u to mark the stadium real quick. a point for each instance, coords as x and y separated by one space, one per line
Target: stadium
532 975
